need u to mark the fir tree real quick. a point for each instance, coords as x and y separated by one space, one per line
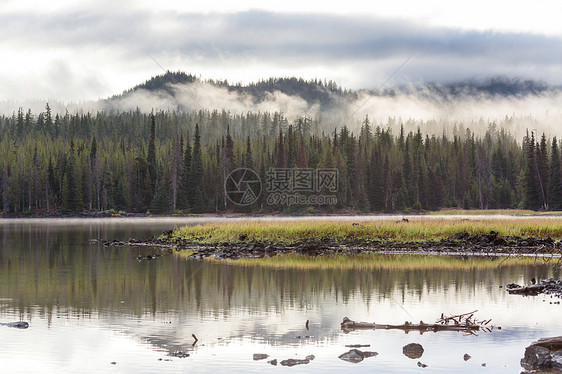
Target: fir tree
162 202
151 156
197 202
186 182
532 199
555 178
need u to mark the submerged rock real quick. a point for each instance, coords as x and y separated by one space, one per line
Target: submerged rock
179 354
17 325
413 350
355 355
551 286
294 361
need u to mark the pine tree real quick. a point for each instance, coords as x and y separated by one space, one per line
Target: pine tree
542 171
186 182
555 179
532 199
162 202
71 197
197 200
151 156
248 159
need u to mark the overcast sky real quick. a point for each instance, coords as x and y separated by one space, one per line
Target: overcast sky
82 50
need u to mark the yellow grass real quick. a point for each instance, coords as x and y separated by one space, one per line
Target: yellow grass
417 229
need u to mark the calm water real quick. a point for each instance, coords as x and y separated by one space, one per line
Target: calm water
90 306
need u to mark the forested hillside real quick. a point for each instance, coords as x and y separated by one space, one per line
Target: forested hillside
178 161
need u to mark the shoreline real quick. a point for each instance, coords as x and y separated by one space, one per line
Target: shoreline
460 244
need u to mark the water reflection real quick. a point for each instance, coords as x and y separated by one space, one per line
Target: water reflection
88 298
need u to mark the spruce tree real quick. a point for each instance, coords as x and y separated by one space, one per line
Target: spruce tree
71 197
151 156
531 193
162 202
197 202
542 172
555 178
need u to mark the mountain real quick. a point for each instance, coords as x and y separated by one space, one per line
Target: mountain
328 93
325 93
499 86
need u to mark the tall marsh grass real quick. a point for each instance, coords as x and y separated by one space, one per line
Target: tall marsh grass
416 229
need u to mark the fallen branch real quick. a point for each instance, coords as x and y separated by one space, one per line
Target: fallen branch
461 322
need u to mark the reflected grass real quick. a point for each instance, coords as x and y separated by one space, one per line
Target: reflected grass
416 229
375 261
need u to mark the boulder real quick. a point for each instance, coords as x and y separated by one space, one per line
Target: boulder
355 355
545 353
413 350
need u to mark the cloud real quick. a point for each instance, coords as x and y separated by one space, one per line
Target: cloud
110 49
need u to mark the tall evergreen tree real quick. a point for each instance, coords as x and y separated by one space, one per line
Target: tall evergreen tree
186 183
542 171
197 202
532 194
555 178
151 156
162 201
72 201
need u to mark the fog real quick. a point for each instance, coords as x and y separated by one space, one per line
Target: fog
433 113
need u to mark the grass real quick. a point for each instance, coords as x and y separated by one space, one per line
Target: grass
416 229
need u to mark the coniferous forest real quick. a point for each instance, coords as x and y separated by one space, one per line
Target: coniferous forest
177 161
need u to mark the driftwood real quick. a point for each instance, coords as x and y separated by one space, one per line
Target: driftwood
348 325
461 322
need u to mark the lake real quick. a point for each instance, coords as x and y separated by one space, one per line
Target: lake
97 309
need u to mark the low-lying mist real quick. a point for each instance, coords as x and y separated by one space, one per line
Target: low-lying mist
433 113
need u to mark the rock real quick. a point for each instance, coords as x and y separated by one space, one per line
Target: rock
179 354
413 350
273 362
536 357
17 325
293 361
260 356
421 365
466 357
242 237
483 364
556 358
355 356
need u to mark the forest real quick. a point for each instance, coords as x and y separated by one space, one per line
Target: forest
176 162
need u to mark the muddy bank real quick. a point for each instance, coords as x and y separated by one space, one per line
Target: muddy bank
461 243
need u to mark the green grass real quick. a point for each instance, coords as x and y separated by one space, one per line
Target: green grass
417 229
